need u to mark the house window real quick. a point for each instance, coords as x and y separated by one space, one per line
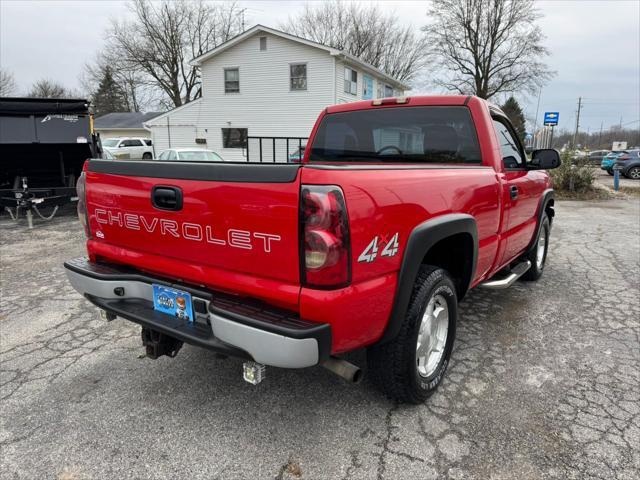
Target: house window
367 87
231 80
350 81
263 43
298 76
388 91
234 138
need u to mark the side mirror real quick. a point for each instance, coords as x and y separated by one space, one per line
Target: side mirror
121 145
544 159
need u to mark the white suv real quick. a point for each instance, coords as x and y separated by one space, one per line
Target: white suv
129 148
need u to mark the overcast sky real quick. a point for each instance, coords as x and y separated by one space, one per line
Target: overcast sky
595 47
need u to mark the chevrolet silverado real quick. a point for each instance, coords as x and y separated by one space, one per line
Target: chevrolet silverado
398 207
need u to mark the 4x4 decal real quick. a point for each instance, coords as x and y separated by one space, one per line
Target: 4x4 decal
371 252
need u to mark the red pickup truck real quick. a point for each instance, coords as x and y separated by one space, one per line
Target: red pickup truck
397 209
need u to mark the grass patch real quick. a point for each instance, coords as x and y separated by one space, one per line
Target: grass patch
630 191
593 193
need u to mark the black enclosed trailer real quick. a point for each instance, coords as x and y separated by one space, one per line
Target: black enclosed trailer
43 145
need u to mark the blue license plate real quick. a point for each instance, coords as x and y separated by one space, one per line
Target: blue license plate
172 302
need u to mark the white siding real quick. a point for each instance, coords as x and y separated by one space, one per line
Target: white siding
265 105
178 129
343 97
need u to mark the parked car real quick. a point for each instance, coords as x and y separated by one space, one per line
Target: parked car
401 206
297 156
609 161
595 158
190 155
629 163
129 148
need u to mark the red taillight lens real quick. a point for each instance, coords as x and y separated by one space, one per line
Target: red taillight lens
325 248
623 158
81 190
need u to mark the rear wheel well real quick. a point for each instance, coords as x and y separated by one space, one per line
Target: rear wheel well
549 210
455 255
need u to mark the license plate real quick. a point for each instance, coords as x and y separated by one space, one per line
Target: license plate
172 302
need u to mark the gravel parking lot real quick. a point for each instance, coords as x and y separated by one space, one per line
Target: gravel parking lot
544 381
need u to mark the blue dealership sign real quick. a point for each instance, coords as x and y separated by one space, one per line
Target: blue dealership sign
551 118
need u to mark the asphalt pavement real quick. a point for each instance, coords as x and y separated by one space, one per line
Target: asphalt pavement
544 381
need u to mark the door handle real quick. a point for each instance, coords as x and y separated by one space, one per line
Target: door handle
513 192
166 198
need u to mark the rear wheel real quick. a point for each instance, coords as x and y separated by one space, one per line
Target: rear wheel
410 367
610 172
146 156
634 173
538 254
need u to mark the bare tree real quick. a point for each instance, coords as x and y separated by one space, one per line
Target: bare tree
8 85
47 88
366 32
163 37
139 91
484 47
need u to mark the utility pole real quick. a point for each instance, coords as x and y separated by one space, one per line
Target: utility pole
575 135
600 135
535 123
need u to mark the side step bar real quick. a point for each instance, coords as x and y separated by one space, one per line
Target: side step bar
505 282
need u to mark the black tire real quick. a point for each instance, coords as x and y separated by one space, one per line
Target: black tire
633 173
535 272
146 156
610 172
393 366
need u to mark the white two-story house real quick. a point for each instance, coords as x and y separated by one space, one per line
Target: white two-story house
266 83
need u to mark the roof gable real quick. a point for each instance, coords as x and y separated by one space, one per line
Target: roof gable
198 61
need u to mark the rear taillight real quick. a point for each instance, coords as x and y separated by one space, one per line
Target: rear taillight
325 249
623 158
81 189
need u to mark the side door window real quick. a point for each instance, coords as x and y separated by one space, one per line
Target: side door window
512 156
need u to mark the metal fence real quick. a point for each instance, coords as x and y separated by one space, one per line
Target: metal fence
275 149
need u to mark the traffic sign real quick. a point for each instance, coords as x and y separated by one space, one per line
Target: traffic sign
551 118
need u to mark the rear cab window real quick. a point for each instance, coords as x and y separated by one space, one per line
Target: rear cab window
425 134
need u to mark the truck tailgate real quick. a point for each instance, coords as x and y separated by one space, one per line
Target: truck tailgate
233 219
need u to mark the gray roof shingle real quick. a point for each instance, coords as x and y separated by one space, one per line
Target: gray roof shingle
123 119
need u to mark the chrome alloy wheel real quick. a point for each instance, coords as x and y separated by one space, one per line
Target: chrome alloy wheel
432 336
542 243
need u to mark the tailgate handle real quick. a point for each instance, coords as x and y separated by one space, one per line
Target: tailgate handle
166 198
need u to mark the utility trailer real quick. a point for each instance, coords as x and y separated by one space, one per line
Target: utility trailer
43 144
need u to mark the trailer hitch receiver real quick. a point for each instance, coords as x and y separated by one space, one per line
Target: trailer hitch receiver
158 344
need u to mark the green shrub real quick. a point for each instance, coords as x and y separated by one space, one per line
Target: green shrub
573 175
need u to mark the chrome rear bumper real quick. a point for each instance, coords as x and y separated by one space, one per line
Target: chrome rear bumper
234 326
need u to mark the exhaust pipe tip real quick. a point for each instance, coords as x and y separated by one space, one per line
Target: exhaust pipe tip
346 370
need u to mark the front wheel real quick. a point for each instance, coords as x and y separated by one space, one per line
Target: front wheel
538 254
633 173
410 367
